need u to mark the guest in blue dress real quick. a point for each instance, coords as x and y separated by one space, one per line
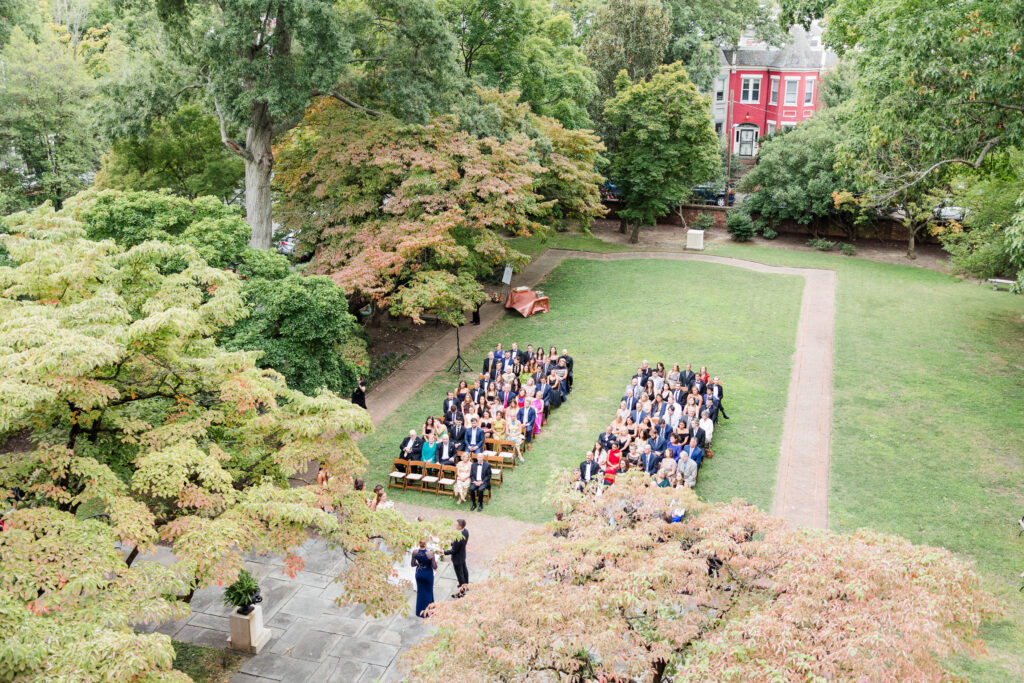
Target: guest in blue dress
425 564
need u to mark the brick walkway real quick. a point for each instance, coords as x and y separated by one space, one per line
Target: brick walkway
313 640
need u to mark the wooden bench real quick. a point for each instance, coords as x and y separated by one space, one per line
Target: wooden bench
999 283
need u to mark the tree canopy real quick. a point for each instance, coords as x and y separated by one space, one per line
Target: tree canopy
381 203
618 591
144 430
666 143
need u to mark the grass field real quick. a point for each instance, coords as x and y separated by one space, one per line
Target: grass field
611 316
928 422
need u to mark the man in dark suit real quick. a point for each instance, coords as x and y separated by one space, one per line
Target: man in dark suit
658 441
679 395
490 365
719 393
506 396
608 439
410 448
449 402
695 452
589 470
528 354
475 436
630 400
544 392
446 452
479 481
637 414
650 460
568 364
476 392
485 383
686 377
458 553
528 417
457 432
711 405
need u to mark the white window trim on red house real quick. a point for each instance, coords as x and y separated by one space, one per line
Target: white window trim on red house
744 90
773 98
809 92
795 83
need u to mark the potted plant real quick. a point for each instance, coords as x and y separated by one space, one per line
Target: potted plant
247 632
244 593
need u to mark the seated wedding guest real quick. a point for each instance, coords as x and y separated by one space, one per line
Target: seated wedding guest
711 405
589 469
480 481
695 452
485 424
674 448
447 453
428 449
527 415
410 447
449 402
568 365
544 393
697 432
475 392
457 432
688 468
462 391
506 397
379 497
497 423
461 486
661 480
611 467
687 377
514 432
668 467
650 460
498 352
708 425
673 377
607 438
474 442
490 365
562 372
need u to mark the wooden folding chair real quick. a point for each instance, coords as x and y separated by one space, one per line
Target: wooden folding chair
446 483
497 468
414 480
431 476
397 478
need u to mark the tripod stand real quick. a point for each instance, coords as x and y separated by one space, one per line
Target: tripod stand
459 365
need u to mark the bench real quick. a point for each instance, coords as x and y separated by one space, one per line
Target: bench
998 283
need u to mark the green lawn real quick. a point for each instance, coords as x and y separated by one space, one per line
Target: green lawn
611 316
928 428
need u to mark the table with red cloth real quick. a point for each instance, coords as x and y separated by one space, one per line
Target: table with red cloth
527 302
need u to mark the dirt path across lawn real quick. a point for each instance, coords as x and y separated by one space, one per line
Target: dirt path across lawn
801 483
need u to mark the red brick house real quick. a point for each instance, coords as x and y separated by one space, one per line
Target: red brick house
762 89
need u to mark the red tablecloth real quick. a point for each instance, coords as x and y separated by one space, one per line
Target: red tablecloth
527 302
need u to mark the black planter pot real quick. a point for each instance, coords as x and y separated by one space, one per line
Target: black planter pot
256 599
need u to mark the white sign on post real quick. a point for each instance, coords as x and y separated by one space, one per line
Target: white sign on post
506 277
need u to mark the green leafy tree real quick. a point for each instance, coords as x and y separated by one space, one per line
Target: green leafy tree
699 28
944 77
796 176
47 139
182 153
666 144
108 357
630 35
381 203
521 45
304 330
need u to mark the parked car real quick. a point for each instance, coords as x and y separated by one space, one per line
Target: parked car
286 245
709 194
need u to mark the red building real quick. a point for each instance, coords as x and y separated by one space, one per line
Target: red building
762 89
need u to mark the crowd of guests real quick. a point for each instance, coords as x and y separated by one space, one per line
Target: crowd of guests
510 400
664 425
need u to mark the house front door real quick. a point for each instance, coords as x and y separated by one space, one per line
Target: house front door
747 137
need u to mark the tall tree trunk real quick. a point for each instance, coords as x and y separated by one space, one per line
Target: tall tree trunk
259 169
634 237
911 253
623 225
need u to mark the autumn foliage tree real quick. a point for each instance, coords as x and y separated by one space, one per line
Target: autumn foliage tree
409 216
144 431
616 591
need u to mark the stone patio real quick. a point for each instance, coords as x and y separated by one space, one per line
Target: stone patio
313 639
